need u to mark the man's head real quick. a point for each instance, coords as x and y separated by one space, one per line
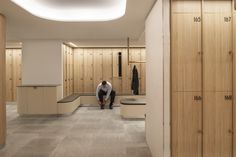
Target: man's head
104 83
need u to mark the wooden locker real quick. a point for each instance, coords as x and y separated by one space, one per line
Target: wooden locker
126 74
88 71
16 53
97 73
64 70
217 124
135 56
79 71
186 54
186 122
68 70
218 51
9 75
107 65
234 82
71 71
117 81
143 72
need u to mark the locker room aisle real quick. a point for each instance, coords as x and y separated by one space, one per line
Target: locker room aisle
89 132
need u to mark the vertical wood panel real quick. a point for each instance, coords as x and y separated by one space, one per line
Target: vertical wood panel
2 82
117 81
217 133
97 67
186 52
16 71
64 71
186 125
79 70
9 75
88 71
107 65
143 72
126 82
217 48
234 83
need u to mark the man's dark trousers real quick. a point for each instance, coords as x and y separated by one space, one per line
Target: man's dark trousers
101 93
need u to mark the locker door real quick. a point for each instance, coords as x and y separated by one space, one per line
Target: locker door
234 80
186 52
126 73
217 63
97 67
186 124
67 71
135 55
16 53
217 132
88 71
9 75
64 71
71 71
217 48
143 72
79 70
117 81
107 65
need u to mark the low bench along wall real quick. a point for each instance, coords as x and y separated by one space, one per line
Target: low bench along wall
133 108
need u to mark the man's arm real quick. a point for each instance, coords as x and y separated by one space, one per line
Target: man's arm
108 92
98 89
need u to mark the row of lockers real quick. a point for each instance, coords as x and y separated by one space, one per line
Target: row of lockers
202 66
92 65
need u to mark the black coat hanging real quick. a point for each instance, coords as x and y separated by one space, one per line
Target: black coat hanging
135 81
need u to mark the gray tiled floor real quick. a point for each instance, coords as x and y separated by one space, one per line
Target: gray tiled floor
89 132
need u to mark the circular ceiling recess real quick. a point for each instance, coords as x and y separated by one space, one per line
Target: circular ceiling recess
74 10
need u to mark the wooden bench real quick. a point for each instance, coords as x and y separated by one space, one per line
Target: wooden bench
69 104
132 108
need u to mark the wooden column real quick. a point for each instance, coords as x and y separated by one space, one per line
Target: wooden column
2 83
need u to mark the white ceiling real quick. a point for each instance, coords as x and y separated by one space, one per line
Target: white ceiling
21 25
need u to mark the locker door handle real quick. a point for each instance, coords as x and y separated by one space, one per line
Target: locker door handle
230 131
230 52
200 131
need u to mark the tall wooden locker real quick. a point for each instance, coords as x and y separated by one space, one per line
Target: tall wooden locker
64 71
71 71
97 73
88 71
16 71
117 80
186 124
234 80
107 65
68 70
79 70
135 56
9 77
143 72
186 80
218 74
126 81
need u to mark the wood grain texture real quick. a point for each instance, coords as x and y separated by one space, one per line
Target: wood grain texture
186 52
98 69
79 70
234 82
2 81
186 6
107 65
143 72
217 48
88 71
186 124
9 75
217 125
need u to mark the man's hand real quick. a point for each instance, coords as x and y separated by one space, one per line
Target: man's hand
99 102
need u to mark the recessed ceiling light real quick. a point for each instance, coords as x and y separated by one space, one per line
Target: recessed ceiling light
74 10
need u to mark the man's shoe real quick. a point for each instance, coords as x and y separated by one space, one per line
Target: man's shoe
111 107
102 107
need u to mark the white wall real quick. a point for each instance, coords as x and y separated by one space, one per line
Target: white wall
157 82
42 62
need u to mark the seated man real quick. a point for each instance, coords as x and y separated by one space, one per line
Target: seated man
105 88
